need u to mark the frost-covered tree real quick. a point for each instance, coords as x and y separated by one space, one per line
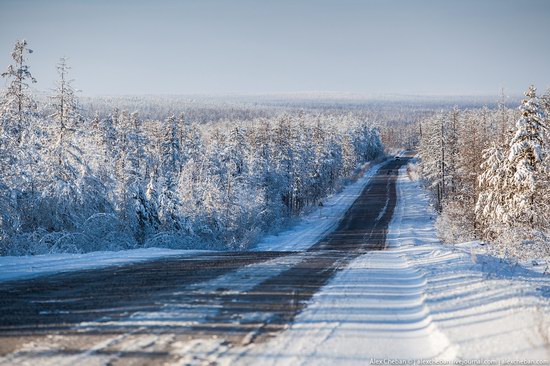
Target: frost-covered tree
433 149
526 163
133 202
18 106
450 148
262 173
171 150
490 206
64 102
17 111
474 136
283 138
171 166
65 194
349 155
545 101
20 143
67 119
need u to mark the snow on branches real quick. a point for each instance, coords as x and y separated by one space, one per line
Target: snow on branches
118 181
494 175
525 157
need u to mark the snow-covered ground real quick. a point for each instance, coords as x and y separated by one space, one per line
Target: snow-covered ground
303 234
419 299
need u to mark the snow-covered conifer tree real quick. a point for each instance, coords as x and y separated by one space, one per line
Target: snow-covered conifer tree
526 206
67 120
17 104
19 137
432 150
66 201
489 209
133 205
172 162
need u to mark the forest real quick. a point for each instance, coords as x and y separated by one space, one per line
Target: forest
77 181
489 173
82 174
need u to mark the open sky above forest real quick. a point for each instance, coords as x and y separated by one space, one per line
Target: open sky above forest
463 47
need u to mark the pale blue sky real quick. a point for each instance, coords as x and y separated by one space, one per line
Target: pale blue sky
257 46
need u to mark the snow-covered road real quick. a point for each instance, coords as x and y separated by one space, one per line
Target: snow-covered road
337 303
239 298
418 300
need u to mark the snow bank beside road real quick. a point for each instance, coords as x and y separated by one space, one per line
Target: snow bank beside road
483 306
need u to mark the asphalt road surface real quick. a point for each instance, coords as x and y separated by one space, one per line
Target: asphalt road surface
241 297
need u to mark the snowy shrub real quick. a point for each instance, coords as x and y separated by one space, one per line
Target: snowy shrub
101 225
71 243
172 240
521 244
30 243
453 225
106 232
48 241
